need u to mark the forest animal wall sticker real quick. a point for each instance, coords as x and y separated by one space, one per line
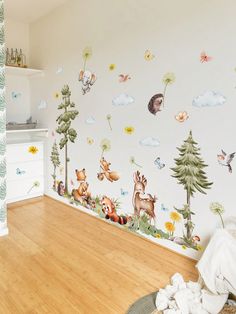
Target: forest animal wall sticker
145 213
3 210
86 77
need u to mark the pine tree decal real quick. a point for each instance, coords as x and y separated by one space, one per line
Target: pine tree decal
64 128
3 190
56 162
189 172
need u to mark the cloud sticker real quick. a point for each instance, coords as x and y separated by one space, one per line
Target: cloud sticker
42 105
209 99
122 100
149 141
90 120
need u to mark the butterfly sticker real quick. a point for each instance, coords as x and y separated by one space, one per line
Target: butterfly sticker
42 105
204 57
90 140
123 192
160 165
15 95
124 78
19 172
163 208
148 55
59 70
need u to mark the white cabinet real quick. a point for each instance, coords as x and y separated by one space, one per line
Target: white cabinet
25 170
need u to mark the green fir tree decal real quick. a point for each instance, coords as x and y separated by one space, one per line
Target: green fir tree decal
64 126
2 146
189 172
2 37
55 161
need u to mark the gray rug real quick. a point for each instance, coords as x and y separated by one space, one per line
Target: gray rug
146 305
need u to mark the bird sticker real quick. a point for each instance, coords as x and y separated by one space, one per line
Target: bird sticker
148 55
204 57
160 165
225 159
124 78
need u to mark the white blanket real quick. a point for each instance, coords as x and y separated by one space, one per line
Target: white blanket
217 269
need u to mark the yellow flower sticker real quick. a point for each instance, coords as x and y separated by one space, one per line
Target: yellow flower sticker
169 226
129 130
57 95
90 140
175 216
148 55
33 150
112 67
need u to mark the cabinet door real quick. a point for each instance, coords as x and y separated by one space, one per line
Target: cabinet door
24 170
24 152
26 188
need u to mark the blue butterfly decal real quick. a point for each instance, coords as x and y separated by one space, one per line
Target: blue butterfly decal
158 163
19 172
163 208
123 192
15 95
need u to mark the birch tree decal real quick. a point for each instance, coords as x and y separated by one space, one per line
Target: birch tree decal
189 172
56 163
64 126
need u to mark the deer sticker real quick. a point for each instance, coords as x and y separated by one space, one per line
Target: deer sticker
141 201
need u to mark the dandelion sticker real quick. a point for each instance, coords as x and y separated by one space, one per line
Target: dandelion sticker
129 130
168 78
108 117
105 145
133 162
33 150
36 184
175 217
218 209
87 54
170 228
112 67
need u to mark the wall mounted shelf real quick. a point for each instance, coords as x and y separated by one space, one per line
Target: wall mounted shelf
23 71
27 131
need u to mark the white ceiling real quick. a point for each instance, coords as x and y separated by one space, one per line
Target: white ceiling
28 11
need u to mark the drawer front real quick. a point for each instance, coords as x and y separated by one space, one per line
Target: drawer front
24 170
24 189
24 152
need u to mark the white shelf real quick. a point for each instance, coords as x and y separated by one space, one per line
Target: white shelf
23 71
27 131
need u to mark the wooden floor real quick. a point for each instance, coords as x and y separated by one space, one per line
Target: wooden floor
57 259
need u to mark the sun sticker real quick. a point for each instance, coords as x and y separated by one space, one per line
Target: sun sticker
33 150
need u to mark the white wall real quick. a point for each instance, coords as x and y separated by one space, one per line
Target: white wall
119 32
18 108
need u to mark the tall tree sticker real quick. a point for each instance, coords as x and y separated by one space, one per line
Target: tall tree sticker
189 172
56 162
64 126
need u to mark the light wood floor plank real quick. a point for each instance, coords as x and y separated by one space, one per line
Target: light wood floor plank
57 259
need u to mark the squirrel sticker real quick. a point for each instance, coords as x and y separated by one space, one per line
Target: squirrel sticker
109 209
106 172
81 194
